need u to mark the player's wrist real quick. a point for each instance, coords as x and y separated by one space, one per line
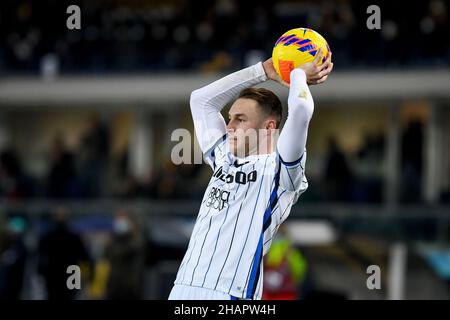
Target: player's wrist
263 70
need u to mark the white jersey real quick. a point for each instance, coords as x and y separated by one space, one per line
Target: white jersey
244 204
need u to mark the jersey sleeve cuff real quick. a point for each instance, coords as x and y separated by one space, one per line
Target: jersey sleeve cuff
260 73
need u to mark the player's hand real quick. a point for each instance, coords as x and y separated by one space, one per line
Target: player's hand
271 73
316 74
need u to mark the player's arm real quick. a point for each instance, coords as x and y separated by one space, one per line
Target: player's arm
207 102
291 145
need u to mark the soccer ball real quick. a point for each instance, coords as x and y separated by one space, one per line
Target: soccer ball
296 47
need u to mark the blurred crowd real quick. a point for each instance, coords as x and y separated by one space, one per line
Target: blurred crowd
219 35
70 173
112 259
90 171
110 269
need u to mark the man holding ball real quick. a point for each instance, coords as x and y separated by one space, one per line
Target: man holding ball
254 183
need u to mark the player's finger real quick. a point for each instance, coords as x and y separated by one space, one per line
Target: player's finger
319 57
323 73
327 62
322 80
331 67
325 65
326 71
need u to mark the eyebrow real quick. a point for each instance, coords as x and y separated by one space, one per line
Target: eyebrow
236 115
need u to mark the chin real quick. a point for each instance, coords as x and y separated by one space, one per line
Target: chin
237 150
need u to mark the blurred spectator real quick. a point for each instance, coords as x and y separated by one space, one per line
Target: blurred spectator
126 257
284 268
368 187
372 147
94 153
61 180
95 143
411 162
59 248
13 256
338 177
14 183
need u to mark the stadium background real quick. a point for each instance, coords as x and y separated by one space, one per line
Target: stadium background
86 118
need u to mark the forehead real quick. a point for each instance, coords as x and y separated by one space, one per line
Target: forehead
244 106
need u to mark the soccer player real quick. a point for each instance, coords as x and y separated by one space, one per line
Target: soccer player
255 182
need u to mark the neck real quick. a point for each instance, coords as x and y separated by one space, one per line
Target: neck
265 146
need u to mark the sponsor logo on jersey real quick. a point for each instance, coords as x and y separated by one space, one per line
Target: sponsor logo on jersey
238 177
217 198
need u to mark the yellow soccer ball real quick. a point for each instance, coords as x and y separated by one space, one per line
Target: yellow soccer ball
296 47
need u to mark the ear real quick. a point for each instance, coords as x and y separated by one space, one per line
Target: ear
271 124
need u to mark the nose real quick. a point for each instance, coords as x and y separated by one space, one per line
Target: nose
231 126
